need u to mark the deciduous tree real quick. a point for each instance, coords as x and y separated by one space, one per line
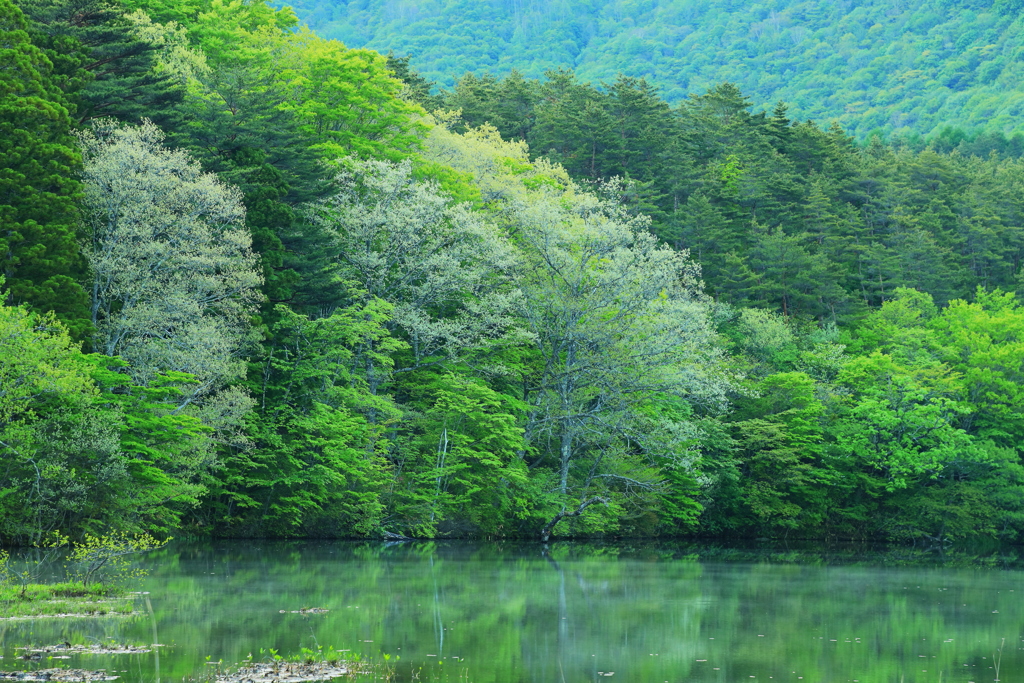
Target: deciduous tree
439 264
615 318
174 278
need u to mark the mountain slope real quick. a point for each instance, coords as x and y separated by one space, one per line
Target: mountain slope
874 65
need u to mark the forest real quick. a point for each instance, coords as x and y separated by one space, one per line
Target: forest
882 67
261 284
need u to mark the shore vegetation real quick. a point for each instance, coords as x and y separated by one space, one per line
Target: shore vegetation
97 573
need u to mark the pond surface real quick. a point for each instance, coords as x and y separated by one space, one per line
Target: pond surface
572 612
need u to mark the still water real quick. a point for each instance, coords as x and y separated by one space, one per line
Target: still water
570 612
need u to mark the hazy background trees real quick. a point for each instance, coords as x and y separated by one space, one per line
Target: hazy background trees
937 67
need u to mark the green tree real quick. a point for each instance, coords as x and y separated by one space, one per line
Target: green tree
346 100
39 253
984 342
317 465
901 418
790 276
106 66
615 317
461 471
781 451
43 376
85 450
575 126
167 454
417 88
436 262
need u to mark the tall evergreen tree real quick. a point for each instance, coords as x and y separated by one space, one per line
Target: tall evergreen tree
39 254
103 65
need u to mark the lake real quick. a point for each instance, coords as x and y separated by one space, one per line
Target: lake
511 612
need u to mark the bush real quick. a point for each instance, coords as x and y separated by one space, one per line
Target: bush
105 559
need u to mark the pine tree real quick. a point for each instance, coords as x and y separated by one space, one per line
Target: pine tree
105 69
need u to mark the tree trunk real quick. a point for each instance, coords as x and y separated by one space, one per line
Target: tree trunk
545 533
566 458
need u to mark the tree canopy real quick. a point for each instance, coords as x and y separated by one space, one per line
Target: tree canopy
875 66
251 287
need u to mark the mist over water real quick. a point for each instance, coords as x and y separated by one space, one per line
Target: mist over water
575 612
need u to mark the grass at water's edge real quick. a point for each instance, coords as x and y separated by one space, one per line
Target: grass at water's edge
57 599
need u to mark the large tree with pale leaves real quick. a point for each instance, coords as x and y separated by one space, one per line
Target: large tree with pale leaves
618 329
174 279
437 262
619 322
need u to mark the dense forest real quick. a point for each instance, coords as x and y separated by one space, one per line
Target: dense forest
258 283
875 66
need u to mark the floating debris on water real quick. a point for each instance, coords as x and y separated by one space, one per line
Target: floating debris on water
67 675
94 649
286 672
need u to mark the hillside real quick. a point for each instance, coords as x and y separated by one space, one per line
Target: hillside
251 289
873 65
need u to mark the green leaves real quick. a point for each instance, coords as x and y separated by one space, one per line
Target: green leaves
39 252
317 464
85 448
166 452
901 419
984 341
346 100
104 559
467 473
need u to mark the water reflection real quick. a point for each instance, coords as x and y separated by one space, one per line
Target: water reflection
572 612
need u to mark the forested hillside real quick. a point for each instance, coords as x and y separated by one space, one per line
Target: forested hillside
252 288
872 65
778 213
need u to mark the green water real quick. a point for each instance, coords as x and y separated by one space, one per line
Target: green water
573 612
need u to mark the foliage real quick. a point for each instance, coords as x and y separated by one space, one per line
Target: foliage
85 448
44 388
105 64
316 466
462 470
548 307
874 66
614 318
105 559
39 255
780 214
165 452
438 264
100 568
369 121
173 273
